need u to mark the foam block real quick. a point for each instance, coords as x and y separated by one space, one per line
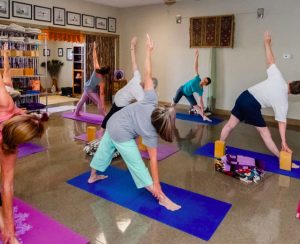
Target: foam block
91 133
285 160
219 149
141 146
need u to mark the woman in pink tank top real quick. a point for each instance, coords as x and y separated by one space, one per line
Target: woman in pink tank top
16 128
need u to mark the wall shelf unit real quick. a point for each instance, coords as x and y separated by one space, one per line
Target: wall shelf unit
24 61
78 69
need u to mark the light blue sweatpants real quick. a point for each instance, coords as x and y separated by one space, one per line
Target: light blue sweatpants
130 154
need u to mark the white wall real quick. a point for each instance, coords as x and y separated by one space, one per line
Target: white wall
77 6
65 78
237 68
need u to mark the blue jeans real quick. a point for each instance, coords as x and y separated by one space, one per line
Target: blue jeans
179 95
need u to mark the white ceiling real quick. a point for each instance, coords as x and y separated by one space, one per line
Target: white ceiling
127 3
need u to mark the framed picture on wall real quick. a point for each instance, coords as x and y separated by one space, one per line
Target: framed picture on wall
46 52
4 9
101 23
69 54
42 13
112 22
60 52
59 16
88 21
73 18
21 10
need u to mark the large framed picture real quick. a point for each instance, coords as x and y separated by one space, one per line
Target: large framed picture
73 18
88 21
112 22
21 10
42 13
59 16
101 23
4 9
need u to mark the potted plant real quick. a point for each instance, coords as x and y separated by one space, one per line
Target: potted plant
53 68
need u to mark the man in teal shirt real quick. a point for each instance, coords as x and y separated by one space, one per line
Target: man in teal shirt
193 85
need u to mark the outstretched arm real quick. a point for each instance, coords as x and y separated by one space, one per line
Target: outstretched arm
6 74
148 69
269 53
95 59
132 51
196 62
6 102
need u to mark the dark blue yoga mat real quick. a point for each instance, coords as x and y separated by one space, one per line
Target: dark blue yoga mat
199 215
198 119
269 162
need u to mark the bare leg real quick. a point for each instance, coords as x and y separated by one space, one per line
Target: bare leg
94 177
232 122
267 138
165 201
96 100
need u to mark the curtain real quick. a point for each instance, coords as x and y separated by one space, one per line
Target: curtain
106 53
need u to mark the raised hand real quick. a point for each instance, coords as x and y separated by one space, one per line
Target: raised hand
267 38
133 42
149 43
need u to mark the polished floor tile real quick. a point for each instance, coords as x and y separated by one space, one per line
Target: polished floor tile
261 213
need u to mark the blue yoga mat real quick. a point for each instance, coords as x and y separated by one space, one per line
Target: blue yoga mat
269 162
198 119
199 215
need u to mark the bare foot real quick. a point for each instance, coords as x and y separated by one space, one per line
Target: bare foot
168 204
295 166
96 178
206 119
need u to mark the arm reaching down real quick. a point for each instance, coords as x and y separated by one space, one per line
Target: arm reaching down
7 173
282 131
102 97
156 191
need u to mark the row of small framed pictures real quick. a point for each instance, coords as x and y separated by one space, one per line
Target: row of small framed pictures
24 10
69 53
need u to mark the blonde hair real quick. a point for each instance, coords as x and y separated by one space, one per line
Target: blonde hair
163 120
20 129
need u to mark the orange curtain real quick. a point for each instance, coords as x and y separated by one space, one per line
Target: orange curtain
62 35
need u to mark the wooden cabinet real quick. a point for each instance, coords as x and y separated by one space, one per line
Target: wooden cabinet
117 85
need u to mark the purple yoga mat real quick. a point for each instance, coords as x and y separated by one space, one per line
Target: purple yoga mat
83 137
34 227
85 117
163 151
29 148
